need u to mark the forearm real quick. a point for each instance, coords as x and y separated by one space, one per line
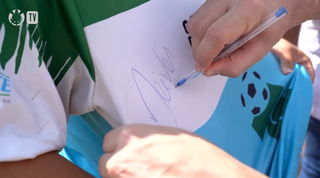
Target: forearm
251 173
231 166
302 10
292 35
46 165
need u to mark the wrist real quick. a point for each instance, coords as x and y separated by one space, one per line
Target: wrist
224 164
248 172
302 10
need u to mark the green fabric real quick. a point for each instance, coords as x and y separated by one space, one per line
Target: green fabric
59 34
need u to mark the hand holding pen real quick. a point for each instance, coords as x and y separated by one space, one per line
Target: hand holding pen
218 23
228 49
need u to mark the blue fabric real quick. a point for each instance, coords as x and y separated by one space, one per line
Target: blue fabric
261 120
84 142
310 167
271 140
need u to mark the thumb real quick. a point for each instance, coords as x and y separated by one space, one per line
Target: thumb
286 65
102 167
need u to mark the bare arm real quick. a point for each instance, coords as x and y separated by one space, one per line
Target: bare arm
46 165
292 35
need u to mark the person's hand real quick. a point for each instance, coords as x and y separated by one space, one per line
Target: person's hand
288 54
219 22
144 151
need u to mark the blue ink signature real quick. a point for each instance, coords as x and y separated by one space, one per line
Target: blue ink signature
160 87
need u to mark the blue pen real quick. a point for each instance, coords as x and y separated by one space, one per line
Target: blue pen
231 47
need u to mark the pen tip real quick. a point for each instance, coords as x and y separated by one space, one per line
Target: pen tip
181 82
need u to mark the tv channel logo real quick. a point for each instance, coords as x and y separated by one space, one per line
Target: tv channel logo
16 17
32 17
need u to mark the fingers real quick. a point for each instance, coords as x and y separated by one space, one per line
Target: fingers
285 52
120 137
103 170
287 62
288 54
110 141
203 19
243 58
208 40
306 62
286 65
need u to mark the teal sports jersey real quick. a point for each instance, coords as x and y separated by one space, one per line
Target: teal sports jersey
120 60
270 141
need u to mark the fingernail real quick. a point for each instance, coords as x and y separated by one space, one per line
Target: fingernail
287 70
197 67
210 73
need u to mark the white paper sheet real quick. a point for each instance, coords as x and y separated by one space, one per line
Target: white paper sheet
139 56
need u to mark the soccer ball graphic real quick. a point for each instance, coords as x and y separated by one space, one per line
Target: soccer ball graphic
254 93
